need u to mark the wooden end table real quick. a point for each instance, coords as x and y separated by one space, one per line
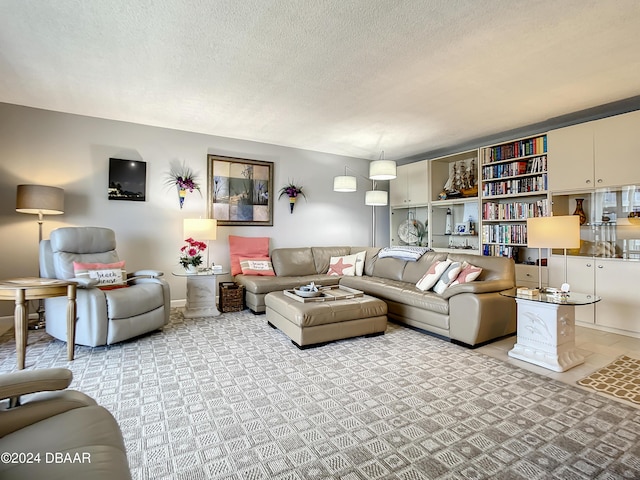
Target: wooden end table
21 290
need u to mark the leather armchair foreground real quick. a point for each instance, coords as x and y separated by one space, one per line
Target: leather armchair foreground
56 433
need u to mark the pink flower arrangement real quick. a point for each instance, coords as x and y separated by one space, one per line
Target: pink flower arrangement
191 252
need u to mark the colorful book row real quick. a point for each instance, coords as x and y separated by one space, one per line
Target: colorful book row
516 185
500 251
508 234
511 169
520 148
515 210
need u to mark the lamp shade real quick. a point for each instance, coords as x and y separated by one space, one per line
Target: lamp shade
40 199
375 198
344 183
382 170
200 228
554 232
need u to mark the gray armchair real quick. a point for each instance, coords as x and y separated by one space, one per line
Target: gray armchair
65 423
104 317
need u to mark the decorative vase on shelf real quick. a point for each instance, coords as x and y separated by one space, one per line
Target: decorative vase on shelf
580 211
191 269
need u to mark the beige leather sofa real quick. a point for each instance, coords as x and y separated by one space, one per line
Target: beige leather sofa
470 314
57 435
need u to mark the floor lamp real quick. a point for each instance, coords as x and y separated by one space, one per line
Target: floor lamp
553 232
378 170
40 200
201 229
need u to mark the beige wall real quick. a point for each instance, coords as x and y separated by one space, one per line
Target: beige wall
72 152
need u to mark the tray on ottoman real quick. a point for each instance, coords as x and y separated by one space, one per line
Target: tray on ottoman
327 294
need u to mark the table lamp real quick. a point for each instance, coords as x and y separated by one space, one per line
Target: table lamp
202 229
553 232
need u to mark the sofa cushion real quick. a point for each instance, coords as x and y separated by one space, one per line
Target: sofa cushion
448 276
257 266
414 271
391 268
345 265
468 274
371 256
431 277
288 262
108 275
247 247
322 256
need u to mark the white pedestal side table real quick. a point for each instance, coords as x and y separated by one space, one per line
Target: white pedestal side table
546 329
201 293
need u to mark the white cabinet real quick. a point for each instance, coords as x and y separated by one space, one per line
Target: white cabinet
410 187
570 157
529 275
613 280
601 153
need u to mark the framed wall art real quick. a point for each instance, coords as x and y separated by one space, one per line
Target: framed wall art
127 180
239 191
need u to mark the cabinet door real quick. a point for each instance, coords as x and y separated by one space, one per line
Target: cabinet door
417 190
617 150
616 284
398 187
580 275
410 185
570 157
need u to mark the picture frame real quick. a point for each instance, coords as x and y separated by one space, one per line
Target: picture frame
462 228
127 180
239 191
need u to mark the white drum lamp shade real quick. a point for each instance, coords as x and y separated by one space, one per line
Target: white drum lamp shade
200 228
40 200
554 232
382 170
376 198
344 183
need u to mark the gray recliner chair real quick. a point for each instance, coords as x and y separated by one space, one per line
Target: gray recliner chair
56 435
104 317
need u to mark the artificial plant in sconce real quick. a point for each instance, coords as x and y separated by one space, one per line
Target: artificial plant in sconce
293 192
184 179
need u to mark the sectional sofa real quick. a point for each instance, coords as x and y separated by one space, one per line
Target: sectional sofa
470 314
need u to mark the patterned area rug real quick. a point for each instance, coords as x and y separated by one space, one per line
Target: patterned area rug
231 398
620 379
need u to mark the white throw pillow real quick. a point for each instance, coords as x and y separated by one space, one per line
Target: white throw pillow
447 277
430 278
345 265
360 258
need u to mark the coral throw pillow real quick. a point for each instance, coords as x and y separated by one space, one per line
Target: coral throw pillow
468 274
430 278
246 247
257 266
108 275
345 265
449 275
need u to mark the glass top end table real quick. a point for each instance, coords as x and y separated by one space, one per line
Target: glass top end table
546 328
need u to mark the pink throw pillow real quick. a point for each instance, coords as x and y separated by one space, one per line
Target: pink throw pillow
468 274
246 247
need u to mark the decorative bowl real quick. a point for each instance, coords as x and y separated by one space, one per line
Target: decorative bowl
306 293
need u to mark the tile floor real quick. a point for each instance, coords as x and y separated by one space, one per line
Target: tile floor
599 349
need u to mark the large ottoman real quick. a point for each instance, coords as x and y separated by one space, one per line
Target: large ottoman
309 324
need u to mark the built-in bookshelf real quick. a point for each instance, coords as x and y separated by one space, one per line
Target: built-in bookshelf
514 188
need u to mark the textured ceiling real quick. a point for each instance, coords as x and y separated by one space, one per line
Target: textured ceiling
350 77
